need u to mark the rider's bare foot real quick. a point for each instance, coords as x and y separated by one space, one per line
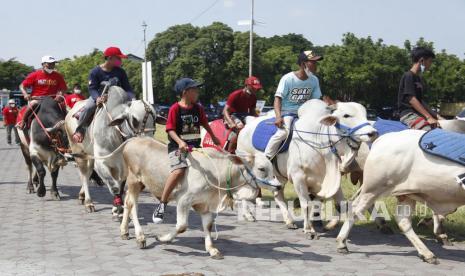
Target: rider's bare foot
78 137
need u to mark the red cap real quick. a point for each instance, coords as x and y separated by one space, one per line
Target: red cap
254 82
114 51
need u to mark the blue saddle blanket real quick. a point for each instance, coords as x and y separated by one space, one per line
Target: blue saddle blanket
387 126
445 144
263 132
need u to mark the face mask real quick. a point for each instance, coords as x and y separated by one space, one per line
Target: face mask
12 105
422 68
49 71
308 72
117 63
77 91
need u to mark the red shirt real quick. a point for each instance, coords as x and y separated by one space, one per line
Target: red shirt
72 99
9 115
175 112
44 84
240 101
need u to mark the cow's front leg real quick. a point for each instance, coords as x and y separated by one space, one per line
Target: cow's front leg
439 232
182 214
85 170
207 223
54 190
279 199
306 208
40 168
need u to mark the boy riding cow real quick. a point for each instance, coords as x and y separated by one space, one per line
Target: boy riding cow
294 89
413 110
110 69
240 104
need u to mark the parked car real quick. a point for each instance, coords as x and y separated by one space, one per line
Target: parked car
266 109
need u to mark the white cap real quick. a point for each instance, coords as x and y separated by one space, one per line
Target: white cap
48 59
11 101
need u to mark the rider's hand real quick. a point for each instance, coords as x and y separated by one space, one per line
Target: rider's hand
432 121
27 97
279 122
216 141
240 126
232 125
101 99
184 147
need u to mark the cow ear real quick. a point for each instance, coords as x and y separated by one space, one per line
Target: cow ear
329 120
332 107
241 158
118 120
235 159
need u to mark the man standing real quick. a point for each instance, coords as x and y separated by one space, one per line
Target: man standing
110 69
294 89
413 110
10 113
75 97
45 82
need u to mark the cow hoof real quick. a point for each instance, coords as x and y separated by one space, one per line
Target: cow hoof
90 208
119 209
292 226
444 241
386 230
312 236
343 250
31 190
55 196
430 260
142 244
217 256
249 218
41 191
125 236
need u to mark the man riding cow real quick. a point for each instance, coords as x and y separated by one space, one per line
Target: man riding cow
294 89
240 104
110 69
44 82
414 111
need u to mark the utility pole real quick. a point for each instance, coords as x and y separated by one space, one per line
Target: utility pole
144 28
252 22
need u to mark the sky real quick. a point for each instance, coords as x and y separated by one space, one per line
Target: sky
30 29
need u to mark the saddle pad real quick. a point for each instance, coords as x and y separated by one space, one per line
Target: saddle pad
221 132
263 132
21 114
445 144
387 126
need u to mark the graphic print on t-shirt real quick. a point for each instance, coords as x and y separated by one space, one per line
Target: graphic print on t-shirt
300 95
190 127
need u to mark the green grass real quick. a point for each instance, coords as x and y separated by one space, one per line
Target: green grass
455 223
160 134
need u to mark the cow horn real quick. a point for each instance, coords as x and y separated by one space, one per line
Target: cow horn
58 125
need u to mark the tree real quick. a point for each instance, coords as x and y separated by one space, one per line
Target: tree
12 73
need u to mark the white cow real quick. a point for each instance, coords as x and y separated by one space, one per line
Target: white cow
411 175
325 141
117 120
356 175
208 181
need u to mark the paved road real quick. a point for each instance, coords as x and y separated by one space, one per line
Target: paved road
44 237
